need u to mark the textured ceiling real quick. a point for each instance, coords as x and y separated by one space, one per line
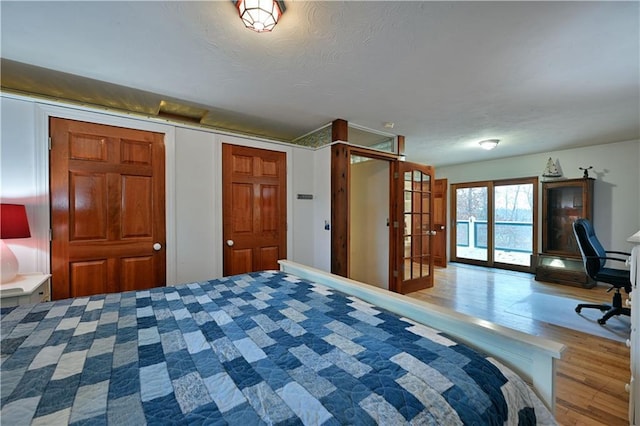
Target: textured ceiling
539 76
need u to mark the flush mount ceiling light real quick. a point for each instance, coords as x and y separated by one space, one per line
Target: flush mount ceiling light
260 15
489 144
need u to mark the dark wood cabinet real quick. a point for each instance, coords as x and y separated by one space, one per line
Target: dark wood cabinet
563 202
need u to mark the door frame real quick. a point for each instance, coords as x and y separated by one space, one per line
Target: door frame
282 202
341 153
42 214
291 188
112 257
490 185
381 231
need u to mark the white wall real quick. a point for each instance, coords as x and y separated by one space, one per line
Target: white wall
300 178
193 186
193 173
18 175
616 168
24 160
304 225
197 234
199 201
322 209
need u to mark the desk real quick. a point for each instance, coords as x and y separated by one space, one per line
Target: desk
26 288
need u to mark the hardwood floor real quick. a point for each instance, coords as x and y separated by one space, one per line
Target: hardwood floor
591 376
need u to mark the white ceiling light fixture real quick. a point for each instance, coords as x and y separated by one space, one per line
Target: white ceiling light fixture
489 144
260 15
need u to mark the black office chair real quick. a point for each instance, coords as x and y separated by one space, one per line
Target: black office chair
594 257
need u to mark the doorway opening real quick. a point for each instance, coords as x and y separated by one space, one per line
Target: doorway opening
409 206
369 220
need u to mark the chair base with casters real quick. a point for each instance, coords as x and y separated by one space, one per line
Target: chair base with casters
611 310
594 258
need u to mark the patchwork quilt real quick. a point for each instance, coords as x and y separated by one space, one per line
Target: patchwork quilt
252 349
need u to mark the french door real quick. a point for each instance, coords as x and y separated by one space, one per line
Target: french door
413 223
494 223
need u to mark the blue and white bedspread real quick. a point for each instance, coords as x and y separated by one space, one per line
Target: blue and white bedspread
261 348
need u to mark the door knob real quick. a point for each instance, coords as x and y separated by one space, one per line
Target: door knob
442 227
157 246
230 243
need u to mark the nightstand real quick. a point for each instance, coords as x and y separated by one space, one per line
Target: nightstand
26 288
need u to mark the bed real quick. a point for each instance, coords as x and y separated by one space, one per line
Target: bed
295 346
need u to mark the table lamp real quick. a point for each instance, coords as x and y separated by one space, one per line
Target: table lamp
13 224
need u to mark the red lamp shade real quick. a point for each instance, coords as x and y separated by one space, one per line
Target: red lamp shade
13 222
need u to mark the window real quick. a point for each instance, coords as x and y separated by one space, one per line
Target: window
495 222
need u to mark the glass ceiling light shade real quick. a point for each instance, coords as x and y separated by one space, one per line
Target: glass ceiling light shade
489 144
259 15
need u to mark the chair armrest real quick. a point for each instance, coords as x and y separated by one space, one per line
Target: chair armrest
606 258
618 252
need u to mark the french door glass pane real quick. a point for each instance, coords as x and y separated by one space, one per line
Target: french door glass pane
513 224
416 224
471 223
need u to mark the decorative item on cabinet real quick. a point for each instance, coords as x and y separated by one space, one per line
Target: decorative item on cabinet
562 203
552 169
585 170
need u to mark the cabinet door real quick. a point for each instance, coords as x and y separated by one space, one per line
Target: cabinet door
563 203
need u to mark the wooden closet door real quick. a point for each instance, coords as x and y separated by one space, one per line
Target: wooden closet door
254 209
107 209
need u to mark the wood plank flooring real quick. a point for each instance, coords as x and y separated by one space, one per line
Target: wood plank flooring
593 372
